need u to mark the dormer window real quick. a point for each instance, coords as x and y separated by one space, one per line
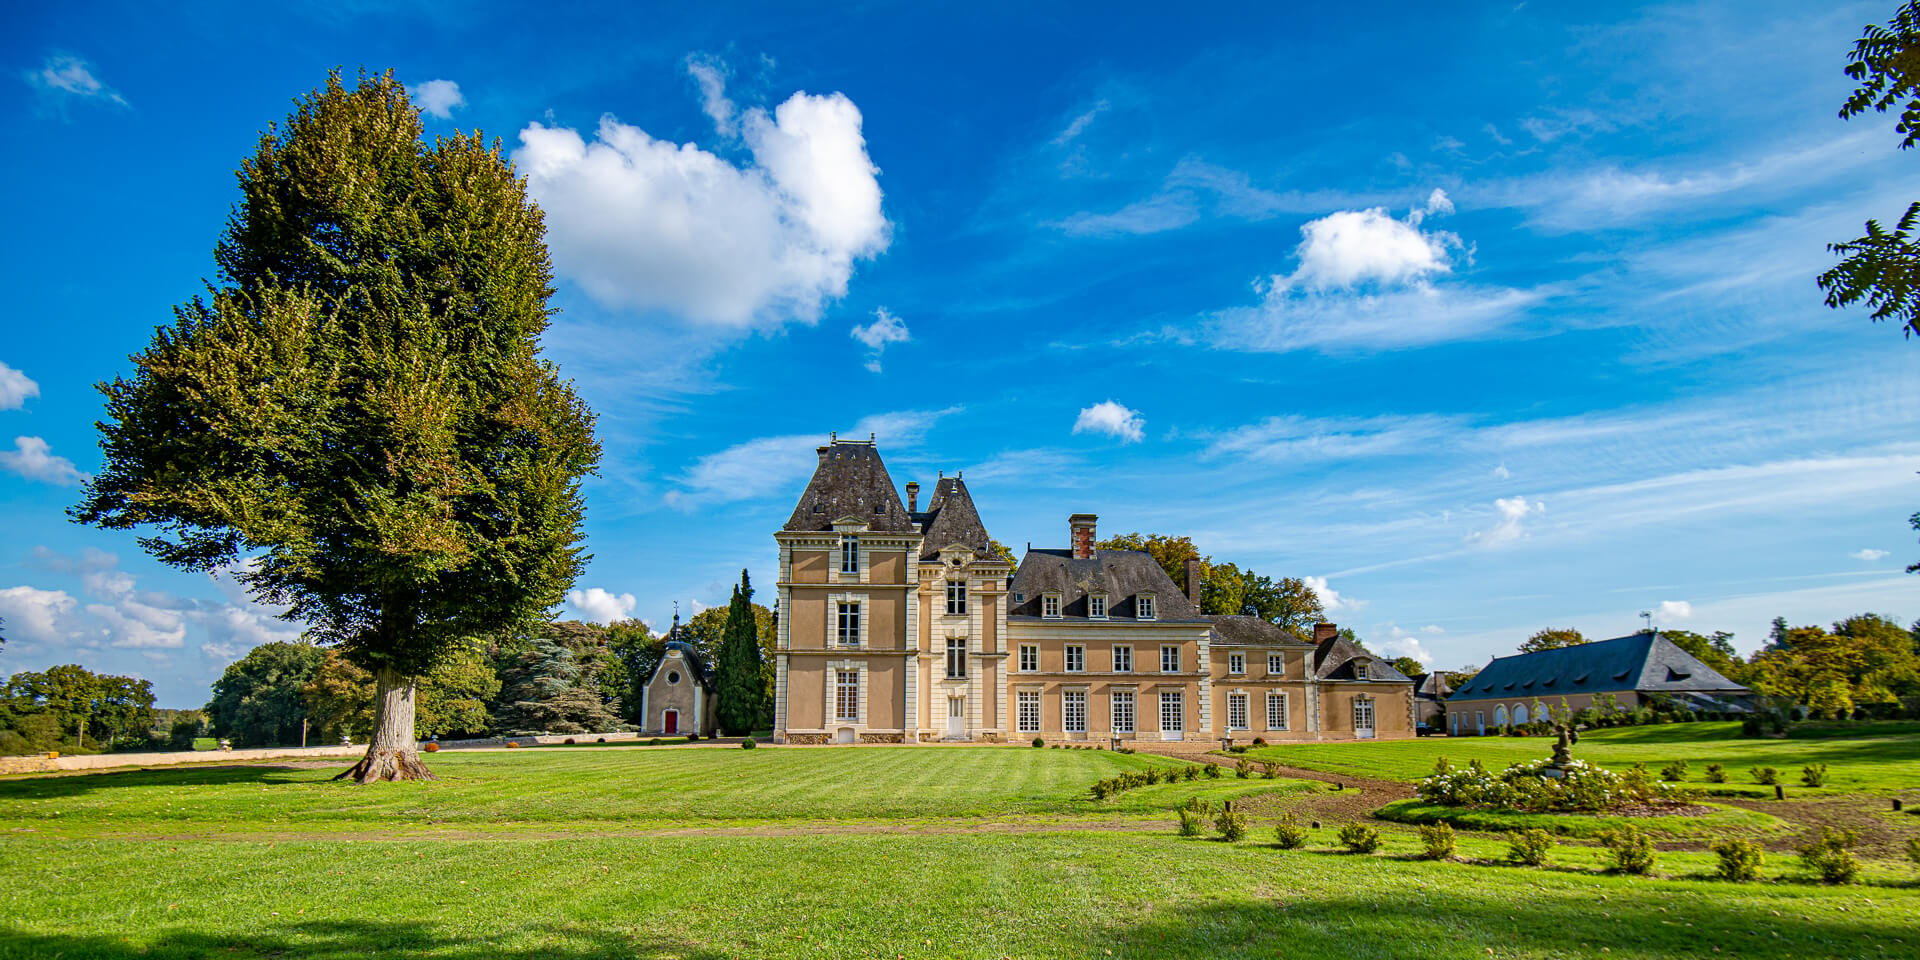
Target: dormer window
1144 604
849 554
1097 607
1050 606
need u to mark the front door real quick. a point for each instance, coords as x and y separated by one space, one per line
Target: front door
670 722
1363 719
1173 716
956 717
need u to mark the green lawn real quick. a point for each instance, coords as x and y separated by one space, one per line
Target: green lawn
1875 764
859 852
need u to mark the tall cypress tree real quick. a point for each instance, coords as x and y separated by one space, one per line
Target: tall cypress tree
359 407
742 696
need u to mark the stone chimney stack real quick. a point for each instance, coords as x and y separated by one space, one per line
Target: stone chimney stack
1082 525
913 496
1193 581
1323 632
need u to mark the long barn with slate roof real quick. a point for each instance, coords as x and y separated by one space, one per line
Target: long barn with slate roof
1517 690
904 625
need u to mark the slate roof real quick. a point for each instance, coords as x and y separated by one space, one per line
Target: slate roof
950 518
851 481
702 671
1121 574
1646 662
1430 686
1334 659
1243 631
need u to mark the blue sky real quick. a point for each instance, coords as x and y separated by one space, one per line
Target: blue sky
1487 318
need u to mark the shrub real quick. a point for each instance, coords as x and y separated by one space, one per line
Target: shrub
1674 772
1716 773
1289 834
693 738
1213 770
1232 825
1259 741
749 743
1436 841
1583 787
1102 789
1630 850
1830 856
1913 849
1190 772
1740 860
1529 846
1197 805
1192 824
1441 765
1243 768
1815 775
1767 776
1357 837
1039 742
1269 771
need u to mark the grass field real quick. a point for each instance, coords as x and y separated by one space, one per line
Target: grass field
1884 764
860 852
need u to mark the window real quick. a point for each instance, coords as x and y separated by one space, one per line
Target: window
1123 711
1122 659
1236 663
1076 658
1276 711
1173 713
1050 606
849 554
956 599
1144 604
956 658
849 626
1097 608
1029 658
1029 710
1073 711
846 695
1236 711
1170 659
1276 664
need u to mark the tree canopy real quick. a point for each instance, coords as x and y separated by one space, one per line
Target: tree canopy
1225 588
1882 268
744 702
257 701
72 708
1552 639
358 407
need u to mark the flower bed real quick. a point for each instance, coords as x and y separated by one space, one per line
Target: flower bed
1582 788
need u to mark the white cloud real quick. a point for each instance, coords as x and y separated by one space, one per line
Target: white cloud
649 225
600 606
439 98
35 615
1352 247
1513 514
776 466
33 459
1113 419
137 624
1404 644
1433 629
124 616
1672 610
710 73
1869 554
1155 214
885 328
1502 473
68 76
1079 124
1331 599
1294 439
16 388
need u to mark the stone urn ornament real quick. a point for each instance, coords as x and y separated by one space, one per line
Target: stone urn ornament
1562 753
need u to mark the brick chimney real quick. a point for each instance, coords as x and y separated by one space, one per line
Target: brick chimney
1323 632
913 496
1082 525
1193 581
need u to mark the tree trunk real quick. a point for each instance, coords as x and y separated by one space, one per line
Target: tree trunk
392 752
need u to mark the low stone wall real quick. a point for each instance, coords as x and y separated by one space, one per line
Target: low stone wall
102 761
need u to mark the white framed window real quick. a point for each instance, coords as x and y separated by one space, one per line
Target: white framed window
1276 664
1029 658
1097 607
1027 706
1236 711
847 628
1050 605
1073 711
1076 658
1144 604
846 695
1122 659
956 658
956 599
1173 712
1236 663
1276 711
1123 711
1170 658
849 554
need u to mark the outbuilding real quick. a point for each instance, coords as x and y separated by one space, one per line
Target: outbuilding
679 696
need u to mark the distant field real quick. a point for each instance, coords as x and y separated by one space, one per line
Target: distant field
1886 763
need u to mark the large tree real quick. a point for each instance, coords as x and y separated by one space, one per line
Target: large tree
358 407
69 704
1882 268
453 697
259 700
1552 638
743 703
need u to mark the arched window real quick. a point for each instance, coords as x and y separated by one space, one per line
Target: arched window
1500 715
1519 714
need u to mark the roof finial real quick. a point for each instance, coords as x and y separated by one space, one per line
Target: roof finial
959 474
943 474
833 436
870 437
